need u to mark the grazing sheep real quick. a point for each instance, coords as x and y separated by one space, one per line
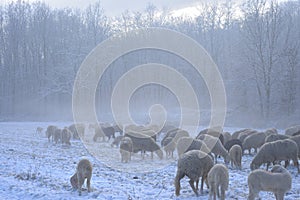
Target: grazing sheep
57 135
118 129
66 136
226 136
278 181
39 131
186 144
297 140
126 148
297 133
169 146
281 150
255 140
83 171
117 141
216 147
50 132
211 132
236 134
275 137
77 130
176 134
271 131
291 130
245 134
235 153
218 178
144 143
102 131
193 164
232 142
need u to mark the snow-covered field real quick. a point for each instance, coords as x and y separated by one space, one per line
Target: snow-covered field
33 168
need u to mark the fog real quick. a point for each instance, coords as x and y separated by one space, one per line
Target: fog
257 55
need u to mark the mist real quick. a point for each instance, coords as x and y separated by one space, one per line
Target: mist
257 55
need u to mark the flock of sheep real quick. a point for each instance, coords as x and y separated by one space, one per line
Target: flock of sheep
197 156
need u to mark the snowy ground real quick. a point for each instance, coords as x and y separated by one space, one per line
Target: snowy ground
33 168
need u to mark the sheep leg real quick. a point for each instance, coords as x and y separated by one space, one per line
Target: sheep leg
197 184
193 187
296 163
80 183
279 195
178 177
222 194
88 184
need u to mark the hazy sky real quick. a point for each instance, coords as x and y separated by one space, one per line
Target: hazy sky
115 7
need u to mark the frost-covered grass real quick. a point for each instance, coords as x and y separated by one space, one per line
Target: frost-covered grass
33 168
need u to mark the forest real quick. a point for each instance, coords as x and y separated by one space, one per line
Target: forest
255 44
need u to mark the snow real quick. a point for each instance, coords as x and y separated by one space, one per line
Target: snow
33 168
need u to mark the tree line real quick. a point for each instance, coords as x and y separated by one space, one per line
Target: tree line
254 44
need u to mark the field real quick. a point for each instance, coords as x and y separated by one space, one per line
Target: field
33 168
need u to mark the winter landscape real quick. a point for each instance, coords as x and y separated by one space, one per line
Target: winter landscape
159 73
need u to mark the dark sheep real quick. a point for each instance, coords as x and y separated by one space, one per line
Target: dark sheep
232 142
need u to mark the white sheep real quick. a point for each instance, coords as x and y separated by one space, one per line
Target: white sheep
271 131
255 140
193 164
50 132
186 144
169 146
275 137
235 153
218 179
281 150
297 140
126 148
227 137
291 130
236 134
245 134
83 171
216 147
278 181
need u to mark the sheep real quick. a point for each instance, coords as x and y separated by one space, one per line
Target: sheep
275 137
50 132
291 130
186 144
236 134
276 151
271 131
278 181
144 143
118 129
297 140
226 136
232 142
235 153
65 136
77 130
245 134
296 133
39 131
218 178
117 141
193 164
83 171
126 147
102 131
211 132
169 146
57 135
216 147
255 140
176 134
